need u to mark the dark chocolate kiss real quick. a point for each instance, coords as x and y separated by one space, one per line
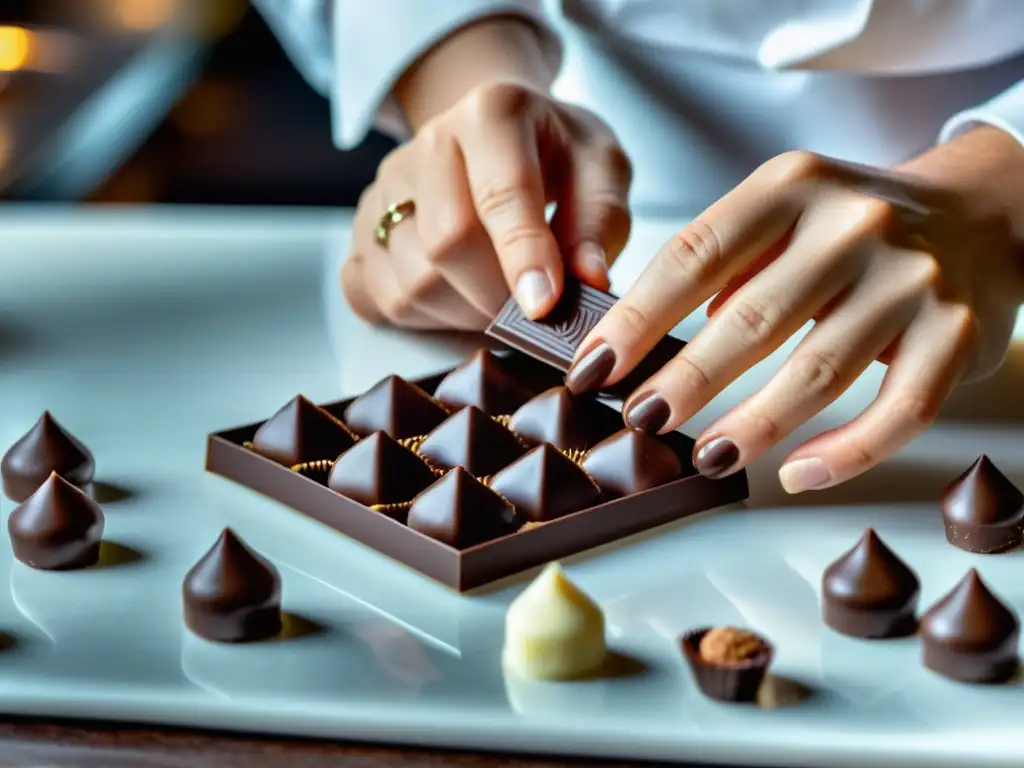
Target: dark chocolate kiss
632 461
982 510
461 512
395 406
567 422
970 635
301 431
482 381
544 485
232 594
46 448
379 470
58 528
870 592
473 440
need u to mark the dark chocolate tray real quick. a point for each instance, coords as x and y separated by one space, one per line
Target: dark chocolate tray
229 456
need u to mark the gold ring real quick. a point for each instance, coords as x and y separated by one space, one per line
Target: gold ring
391 218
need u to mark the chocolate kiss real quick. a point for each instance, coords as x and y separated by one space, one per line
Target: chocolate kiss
46 448
58 528
482 381
982 510
473 440
232 594
395 406
544 485
378 470
461 512
301 431
565 421
631 461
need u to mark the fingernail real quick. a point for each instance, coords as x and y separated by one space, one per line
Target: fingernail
804 475
592 258
533 292
591 370
648 412
716 457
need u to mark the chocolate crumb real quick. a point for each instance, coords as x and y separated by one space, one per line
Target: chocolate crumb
729 646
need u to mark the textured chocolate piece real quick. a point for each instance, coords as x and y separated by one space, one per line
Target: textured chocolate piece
483 381
870 592
545 484
300 432
460 511
970 635
232 594
631 461
567 422
982 510
44 449
58 528
379 470
735 681
396 407
473 440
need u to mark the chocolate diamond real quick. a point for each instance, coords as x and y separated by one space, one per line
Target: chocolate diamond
46 448
301 431
58 528
544 485
461 512
567 422
378 470
631 461
473 440
396 407
483 381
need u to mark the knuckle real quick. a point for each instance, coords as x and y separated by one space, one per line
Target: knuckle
633 319
433 138
877 216
499 197
755 321
818 374
615 159
765 427
688 369
495 101
964 324
859 455
446 237
915 409
519 234
926 273
795 165
694 252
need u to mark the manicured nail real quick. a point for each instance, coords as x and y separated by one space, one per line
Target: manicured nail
804 475
648 412
592 258
591 370
716 457
533 292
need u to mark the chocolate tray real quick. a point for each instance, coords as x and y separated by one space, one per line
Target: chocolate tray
462 570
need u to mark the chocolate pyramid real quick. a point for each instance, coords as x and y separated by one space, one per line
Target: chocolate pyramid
544 485
870 592
395 406
482 381
631 461
46 448
301 431
58 528
461 512
564 420
473 440
379 470
982 510
970 635
232 594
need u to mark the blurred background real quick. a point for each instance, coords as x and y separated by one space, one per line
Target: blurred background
163 101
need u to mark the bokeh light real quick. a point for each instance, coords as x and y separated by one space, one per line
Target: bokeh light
16 47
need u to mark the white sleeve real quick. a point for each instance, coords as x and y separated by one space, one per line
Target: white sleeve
1005 111
353 51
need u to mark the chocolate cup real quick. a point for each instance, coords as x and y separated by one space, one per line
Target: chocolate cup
991 667
734 683
988 539
871 624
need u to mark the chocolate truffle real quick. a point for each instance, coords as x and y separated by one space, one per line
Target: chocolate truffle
379 470
544 485
631 461
232 594
564 420
461 512
970 635
58 528
396 407
483 381
728 664
46 448
982 510
473 440
300 432
870 592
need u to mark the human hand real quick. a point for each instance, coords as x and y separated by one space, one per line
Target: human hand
480 175
919 268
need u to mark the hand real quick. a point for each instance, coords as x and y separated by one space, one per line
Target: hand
914 268
481 175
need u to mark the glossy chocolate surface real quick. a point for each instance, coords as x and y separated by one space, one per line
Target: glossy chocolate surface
300 432
483 381
44 449
565 421
379 470
57 528
545 484
982 510
631 461
473 440
869 592
460 511
232 594
396 407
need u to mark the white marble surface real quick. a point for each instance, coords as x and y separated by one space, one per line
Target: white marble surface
142 331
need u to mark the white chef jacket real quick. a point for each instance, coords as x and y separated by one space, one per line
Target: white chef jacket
700 92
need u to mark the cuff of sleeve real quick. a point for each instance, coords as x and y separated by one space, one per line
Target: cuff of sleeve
375 42
1005 111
